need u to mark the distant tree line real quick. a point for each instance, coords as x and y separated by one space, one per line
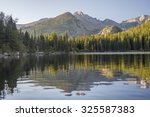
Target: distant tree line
12 40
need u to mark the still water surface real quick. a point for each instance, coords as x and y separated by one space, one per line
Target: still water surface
65 76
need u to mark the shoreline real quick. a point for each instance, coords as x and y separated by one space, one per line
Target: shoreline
73 53
112 53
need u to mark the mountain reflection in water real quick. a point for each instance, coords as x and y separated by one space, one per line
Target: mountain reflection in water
75 76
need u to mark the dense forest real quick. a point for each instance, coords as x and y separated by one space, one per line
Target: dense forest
13 40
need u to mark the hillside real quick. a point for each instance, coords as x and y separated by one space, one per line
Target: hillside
137 38
140 31
133 39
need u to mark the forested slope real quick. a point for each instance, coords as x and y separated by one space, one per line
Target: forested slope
134 39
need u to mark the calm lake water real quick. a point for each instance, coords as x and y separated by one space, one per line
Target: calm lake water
92 76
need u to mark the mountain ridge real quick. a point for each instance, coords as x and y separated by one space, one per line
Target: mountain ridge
77 23
134 21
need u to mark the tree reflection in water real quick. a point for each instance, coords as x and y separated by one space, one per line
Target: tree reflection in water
73 72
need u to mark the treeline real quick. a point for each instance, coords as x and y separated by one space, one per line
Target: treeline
134 39
12 40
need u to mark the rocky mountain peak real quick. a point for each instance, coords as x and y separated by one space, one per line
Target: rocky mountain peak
66 14
79 13
139 19
107 20
134 21
143 18
109 30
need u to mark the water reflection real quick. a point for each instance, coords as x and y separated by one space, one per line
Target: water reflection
74 74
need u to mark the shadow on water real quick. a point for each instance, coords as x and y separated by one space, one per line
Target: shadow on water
71 73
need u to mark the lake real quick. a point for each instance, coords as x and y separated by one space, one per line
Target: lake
76 76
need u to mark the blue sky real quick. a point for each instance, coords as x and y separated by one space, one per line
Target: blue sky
32 10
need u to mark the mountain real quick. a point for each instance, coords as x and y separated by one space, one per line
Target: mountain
109 22
110 30
134 22
91 24
76 24
62 23
32 23
127 23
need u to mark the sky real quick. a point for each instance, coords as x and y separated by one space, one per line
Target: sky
32 10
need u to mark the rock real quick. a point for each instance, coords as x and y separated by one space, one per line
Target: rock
6 54
110 30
